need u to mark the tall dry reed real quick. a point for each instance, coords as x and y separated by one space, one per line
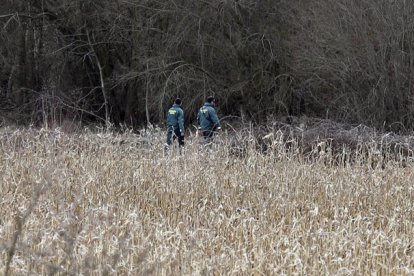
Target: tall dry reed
103 204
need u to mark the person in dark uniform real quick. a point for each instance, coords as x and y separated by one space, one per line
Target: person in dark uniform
207 119
175 126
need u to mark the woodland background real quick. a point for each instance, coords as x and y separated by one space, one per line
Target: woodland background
122 62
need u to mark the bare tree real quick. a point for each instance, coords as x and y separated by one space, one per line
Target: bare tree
356 58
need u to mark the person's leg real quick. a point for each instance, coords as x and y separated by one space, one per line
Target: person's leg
208 137
180 139
169 140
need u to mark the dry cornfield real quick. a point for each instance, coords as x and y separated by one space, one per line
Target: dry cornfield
110 204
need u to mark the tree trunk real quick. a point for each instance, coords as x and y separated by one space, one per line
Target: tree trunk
147 97
102 80
16 91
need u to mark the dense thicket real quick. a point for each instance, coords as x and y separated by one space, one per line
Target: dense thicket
125 61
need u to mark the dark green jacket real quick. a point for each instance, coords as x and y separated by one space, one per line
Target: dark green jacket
207 117
175 117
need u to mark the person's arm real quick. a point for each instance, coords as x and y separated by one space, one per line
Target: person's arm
181 121
198 118
214 119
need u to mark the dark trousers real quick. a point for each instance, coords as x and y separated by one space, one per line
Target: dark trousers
173 133
208 135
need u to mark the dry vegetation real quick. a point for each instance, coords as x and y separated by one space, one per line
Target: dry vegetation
101 203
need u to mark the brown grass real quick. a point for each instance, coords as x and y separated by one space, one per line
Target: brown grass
102 203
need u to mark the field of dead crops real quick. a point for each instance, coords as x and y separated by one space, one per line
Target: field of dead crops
92 203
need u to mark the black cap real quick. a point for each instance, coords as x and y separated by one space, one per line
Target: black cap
178 101
210 99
